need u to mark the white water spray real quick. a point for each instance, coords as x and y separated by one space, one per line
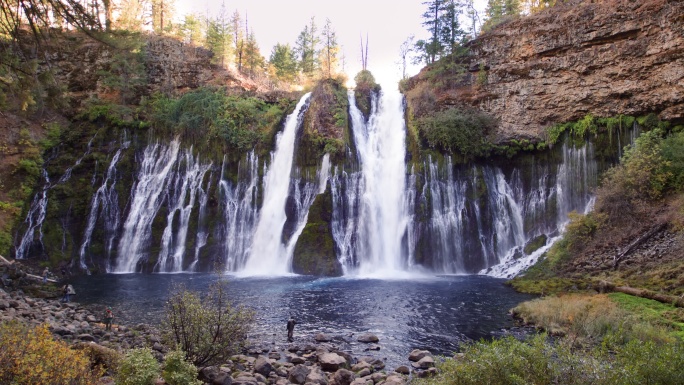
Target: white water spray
383 218
268 254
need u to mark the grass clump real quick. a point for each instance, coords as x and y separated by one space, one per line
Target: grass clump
591 319
652 312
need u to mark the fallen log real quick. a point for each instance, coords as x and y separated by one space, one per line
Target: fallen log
636 243
7 262
605 286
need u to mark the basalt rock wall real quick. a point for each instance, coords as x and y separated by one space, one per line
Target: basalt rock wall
602 58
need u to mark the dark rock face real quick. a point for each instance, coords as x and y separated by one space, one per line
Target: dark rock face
600 58
314 253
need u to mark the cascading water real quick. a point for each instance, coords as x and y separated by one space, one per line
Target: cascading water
187 183
480 218
34 219
371 220
240 212
167 177
105 204
268 255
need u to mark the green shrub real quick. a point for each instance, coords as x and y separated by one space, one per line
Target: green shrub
458 130
544 361
30 356
138 367
178 371
673 153
208 329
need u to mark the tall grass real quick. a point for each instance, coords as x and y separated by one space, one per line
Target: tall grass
590 319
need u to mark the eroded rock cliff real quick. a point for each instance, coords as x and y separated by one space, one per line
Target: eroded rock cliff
602 58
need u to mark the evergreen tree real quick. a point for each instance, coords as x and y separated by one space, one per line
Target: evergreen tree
330 50
191 29
131 16
441 20
497 10
238 38
253 60
219 37
284 61
450 29
162 15
307 41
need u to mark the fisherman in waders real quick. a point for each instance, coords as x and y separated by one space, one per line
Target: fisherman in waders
290 329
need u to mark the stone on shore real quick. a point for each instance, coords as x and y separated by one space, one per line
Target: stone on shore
331 362
368 338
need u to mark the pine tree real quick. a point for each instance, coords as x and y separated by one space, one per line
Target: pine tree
253 61
330 50
238 38
219 37
162 14
284 61
307 41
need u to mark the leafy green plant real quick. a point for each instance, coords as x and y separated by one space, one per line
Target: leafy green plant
178 371
209 329
30 356
138 367
457 130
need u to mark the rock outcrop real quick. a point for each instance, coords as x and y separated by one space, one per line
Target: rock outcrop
602 58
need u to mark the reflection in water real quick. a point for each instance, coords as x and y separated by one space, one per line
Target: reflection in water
435 314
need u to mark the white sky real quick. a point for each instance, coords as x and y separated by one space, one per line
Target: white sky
387 22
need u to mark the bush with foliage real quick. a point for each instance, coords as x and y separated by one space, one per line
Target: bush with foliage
138 367
541 360
178 371
458 130
212 113
30 356
209 329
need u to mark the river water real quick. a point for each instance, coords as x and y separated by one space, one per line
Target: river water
433 313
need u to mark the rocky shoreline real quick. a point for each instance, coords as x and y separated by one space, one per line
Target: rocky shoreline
312 359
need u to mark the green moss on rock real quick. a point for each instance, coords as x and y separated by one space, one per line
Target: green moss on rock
314 253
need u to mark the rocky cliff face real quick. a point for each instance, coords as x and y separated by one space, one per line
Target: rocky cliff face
601 58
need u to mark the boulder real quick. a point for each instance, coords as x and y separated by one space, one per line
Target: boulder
395 380
298 374
416 355
86 337
368 338
403 369
424 363
331 362
344 377
263 366
322 337
316 376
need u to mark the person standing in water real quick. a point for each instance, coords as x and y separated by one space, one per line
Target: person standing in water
290 329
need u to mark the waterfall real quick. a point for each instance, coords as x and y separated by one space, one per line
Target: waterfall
370 222
202 233
182 193
148 195
268 254
240 211
104 201
34 218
